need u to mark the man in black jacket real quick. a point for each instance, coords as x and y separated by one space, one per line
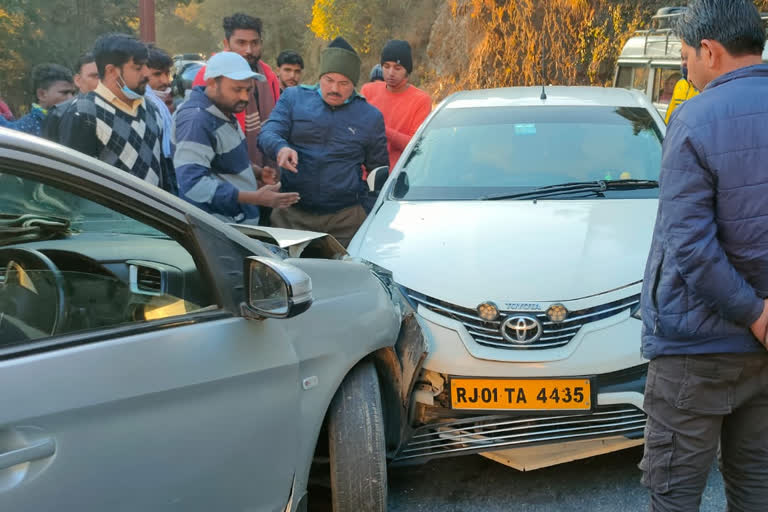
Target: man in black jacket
704 306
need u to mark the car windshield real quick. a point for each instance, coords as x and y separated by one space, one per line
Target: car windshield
476 153
80 215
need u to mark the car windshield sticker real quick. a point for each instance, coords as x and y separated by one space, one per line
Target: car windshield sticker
525 129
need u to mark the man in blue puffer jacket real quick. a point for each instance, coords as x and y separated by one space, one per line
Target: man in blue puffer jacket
323 134
703 302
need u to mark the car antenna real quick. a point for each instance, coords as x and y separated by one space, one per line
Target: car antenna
542 74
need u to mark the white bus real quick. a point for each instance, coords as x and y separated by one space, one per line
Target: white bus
650 60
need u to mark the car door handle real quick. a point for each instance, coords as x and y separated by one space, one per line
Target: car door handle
38 450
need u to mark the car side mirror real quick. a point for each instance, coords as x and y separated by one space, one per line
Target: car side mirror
275 289
377 177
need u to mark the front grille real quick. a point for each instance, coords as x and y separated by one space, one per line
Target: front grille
553 334
487 433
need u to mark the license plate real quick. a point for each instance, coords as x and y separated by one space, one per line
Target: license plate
521 394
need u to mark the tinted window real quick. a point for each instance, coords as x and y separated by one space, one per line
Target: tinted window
466 153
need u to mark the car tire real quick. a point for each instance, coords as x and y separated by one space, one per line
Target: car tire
356 443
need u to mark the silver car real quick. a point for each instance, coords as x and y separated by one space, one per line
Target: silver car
154 358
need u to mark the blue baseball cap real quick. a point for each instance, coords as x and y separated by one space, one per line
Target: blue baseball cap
230 65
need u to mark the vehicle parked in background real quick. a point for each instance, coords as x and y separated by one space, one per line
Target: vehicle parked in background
650 59
517 224
183 79
156 358
181 60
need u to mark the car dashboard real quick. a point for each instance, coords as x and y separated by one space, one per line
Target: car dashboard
109 279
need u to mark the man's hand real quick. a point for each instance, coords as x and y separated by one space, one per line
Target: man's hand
288 159
269 196
760 327
265 175
276 199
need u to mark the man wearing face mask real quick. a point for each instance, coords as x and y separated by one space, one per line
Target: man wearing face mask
158 87
115 123
684 91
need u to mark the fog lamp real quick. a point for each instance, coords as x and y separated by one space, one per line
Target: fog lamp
488 311
557 313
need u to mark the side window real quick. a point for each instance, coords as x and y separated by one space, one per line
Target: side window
624 77
69 264
640 78
664 84
632 77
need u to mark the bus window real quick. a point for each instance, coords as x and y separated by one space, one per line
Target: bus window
624 77
640 79
664 84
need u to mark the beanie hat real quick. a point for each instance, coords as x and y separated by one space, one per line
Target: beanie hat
399 52
340 58
376 73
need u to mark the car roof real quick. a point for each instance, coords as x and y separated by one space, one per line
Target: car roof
555 96
89 168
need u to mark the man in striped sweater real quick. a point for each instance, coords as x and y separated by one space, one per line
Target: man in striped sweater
212 164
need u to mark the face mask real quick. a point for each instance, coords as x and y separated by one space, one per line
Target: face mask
129 93
684 71
164 94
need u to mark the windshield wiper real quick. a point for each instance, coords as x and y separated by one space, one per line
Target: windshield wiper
576 187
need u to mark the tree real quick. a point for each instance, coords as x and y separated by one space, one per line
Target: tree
54 31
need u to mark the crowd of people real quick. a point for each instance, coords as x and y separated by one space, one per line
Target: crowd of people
248 144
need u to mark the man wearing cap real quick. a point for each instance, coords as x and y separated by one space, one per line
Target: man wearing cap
324 134
212 164
243 34
403 106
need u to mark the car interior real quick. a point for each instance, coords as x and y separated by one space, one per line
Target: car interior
69 264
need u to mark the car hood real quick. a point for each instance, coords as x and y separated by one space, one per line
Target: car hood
510 251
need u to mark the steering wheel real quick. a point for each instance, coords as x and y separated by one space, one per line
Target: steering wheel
32 299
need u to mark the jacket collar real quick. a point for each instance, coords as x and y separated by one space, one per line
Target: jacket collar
199 98
112 98
746 72
316 88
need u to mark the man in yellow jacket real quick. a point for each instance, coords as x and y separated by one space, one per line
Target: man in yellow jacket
684 90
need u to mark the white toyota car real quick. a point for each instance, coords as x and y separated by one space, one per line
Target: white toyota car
517 224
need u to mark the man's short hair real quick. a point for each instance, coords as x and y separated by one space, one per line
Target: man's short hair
158 58
290 57
241 21
84 59
45 75
118 50
735 24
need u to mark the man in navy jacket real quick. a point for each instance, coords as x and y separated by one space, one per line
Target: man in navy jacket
704 305
323 135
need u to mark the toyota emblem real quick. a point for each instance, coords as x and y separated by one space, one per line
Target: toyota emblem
522 329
